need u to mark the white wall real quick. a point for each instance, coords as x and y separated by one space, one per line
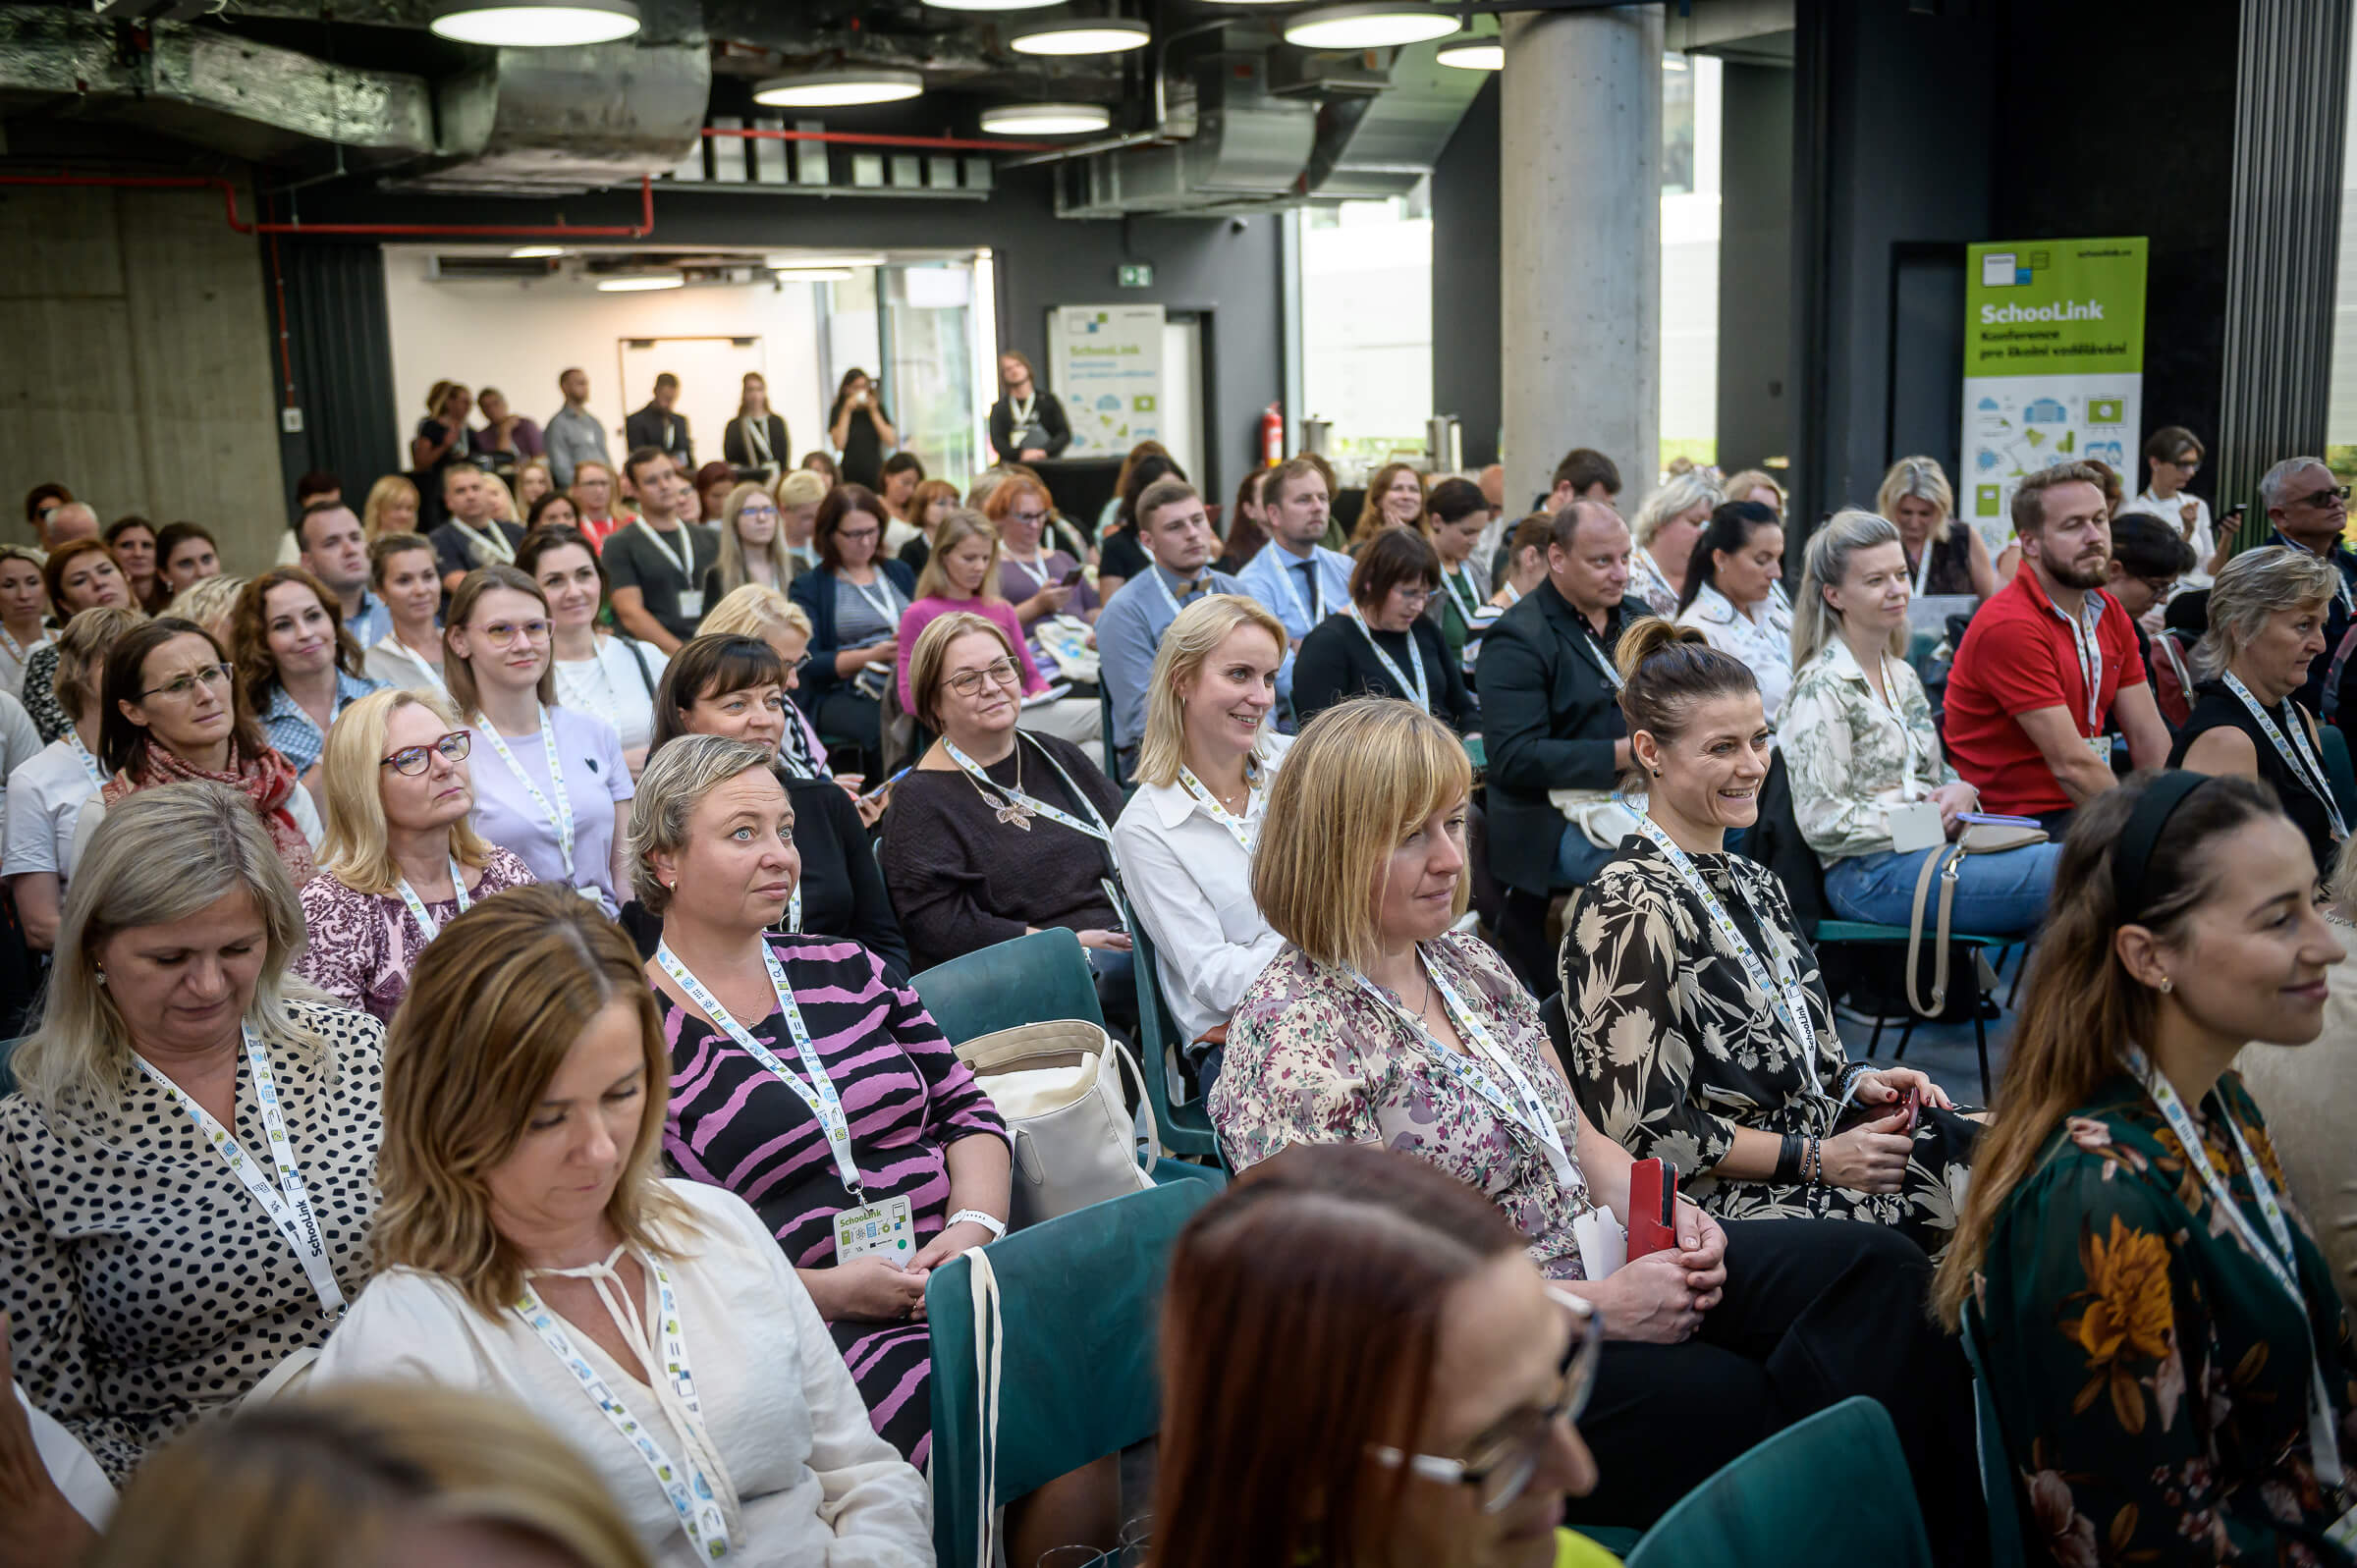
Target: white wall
519 337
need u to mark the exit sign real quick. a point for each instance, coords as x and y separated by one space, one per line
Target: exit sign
1136 275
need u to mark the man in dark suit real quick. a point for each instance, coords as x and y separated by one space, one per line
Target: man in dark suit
1551 719
657 426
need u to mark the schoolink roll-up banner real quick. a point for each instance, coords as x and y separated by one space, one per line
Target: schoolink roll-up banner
1105 362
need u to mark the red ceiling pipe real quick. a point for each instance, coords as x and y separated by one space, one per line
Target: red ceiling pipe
229 196
862 138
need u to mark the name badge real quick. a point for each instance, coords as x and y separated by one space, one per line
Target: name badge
1914 826
2101 746
886 1229
692 601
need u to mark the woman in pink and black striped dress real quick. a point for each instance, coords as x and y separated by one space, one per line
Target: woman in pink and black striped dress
745 1012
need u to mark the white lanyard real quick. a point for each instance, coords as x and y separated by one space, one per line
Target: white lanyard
82 754
289 1204
1019 415
1786 991
16 649
489 540
888 609
1468 603
2083 634
1244 830
1168 597
691 1492
1309 612
560 816
1887 699
2281 1259
756 440
1420 693
684 556
1094 828
418 910
2304 766
825 1106
1039 575
603 702
425 665
1522 1108
1587 640
1923 566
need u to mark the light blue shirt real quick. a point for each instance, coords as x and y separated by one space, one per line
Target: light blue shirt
1275 577
291 730
371 624
1130 629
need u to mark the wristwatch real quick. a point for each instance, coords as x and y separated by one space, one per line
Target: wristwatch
996 1226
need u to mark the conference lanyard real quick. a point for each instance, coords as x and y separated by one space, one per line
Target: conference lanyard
687 1489
82 754
425 665
1244 830
1421 693
1094 828
1785 993
2083 634
289 1204
1310 611
1468 603
1168 597
1039 575
819 1094
2304 766
1020 416
17 650
491 542
1923 566
560 815
2279 1259
684 556
418 910
756 441
888 607
1519 1105
1587 640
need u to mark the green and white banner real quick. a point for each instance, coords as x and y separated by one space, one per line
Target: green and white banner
2053 366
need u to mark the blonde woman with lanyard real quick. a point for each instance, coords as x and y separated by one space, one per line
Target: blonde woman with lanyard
22 599
1383 644
499 672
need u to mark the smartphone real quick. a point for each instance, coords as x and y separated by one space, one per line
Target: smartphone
1910 1105
1070 579
1653 1207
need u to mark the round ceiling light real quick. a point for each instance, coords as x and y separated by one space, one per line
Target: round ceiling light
641 282
536 24
835 90
1369 24
1473 54
1045 119
1097 35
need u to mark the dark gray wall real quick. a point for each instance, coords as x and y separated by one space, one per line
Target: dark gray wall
1757 395
1466 349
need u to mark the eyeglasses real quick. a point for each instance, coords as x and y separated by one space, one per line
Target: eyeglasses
751 510
1501 1470
848 535
502 632
180 687
794 665
415 760
2185 465
2320 497
966 682
2159 586
1418 597
1029 519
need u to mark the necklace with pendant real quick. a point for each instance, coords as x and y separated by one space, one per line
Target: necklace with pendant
1010 811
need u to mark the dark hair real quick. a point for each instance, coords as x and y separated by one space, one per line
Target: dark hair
1392 557
121 744
2029 496
2169 440
2146 546
558 536
710 665
1143 473
40 493
1534 532
843 394
826 465
903 463
1731 526
1246 534
1280 479
53 571
1666 669
385 546
1583 466
310 509
318 482
1453 500
2189 613
249 633
710 475
1163 493
666 379
532 518
125 524
841 503
172 536
640 456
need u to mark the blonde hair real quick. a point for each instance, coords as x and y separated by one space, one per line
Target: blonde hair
1186 648
212 603
493 1008
356 851
732 548
81 650
326 1479
381 496
1740 487
1919 479
457 673
1679 494
159 855
755 609
1824 563
527 466
2251 589
800 487
955 528
931 657
682 772
1363 775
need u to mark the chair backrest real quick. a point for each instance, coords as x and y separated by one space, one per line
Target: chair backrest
1080 1304
1157 1034
1028 979
2007 1548
1771 1508
1113 750
2337 771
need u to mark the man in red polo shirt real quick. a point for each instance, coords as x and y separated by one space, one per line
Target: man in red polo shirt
2047 661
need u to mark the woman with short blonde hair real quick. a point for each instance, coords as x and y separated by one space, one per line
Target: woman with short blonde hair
1757 484
212 602
391 506
1664 531
1942 557
799 492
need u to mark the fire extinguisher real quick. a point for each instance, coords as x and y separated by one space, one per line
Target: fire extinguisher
1272 436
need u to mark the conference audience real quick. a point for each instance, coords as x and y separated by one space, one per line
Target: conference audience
2266 622
400 857
1521 566
1863 753
2308 508
962 573
1294 574
2170 1366
562 805
531 1248
1664 529
931 501
1944 554
1459 516
474 535
186 1178
1361 869
1176 533
133 540
855 602
2050 662
597 672
298 665
752 546
769 617
402 569
185 553
46 794
1735 595
1701 1031
1394 498
1036 577
1122 554
655 566
391 508
80 575
1383 644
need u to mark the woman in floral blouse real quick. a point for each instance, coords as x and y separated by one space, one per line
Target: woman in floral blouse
2173 1370
1859 738
1379 1023
1700 1031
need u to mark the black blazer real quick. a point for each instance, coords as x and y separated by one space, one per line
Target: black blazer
736 448
1335 663
1050 414
814 591
650 426
1550 719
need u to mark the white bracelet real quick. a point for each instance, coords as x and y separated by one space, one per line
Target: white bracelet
997 1227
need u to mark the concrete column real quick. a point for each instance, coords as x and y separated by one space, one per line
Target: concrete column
1581 253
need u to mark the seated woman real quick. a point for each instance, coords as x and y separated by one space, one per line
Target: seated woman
1863 753
402 570
1187 836
45 796
1361 868
401 858
80 575
855 602
597 671
170 711
2171 1365
298 664
2267 625
752 545
1031 569
23 614
1735 595
1459 513
931 501
1664 532
1700 1030
768 616
735 686
186 554
976 853
1384 645
1361 1366
531 1250
563 805
963 574
186 1169
1394 499
713 860
1944 554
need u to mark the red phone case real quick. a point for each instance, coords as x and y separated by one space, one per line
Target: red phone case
1652 1206
1912 1104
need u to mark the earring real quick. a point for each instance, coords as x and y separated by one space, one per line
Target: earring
102 977
2167 984
1657 773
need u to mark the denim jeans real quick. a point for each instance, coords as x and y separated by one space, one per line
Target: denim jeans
1996 896
1577 860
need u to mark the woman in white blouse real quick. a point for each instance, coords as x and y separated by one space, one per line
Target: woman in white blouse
613 677
402 568
1734 594
1188 834
45 796
22 600
532 1249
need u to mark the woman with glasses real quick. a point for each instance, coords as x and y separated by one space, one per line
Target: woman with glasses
597 671
855 602
1360 1367
752 545
1943 556
1032 572
401 859
553 786
82 574
1385 645
170 710
963 574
